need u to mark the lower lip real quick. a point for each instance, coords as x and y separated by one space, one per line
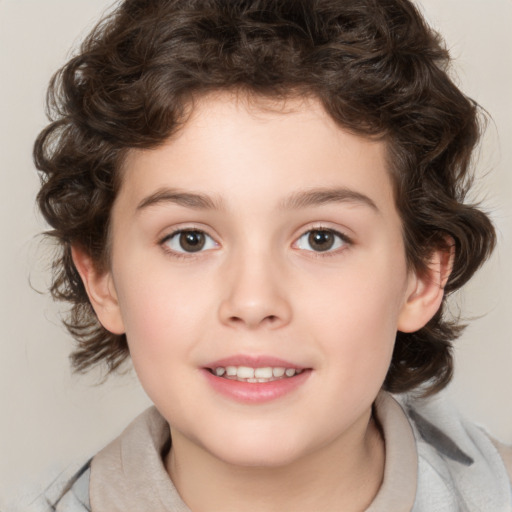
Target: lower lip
256 392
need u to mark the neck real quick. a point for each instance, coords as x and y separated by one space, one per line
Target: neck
344 475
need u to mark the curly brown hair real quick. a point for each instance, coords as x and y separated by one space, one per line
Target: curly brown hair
375 65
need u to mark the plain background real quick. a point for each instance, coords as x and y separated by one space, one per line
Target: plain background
50 418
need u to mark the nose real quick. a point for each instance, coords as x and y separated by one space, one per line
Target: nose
254 294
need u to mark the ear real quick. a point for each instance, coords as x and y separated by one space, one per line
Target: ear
425 292
101 291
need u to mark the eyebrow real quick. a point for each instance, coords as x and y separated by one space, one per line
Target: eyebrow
298 200
186 199
321 196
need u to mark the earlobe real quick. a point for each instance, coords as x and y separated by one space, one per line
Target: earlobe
100 290
425 292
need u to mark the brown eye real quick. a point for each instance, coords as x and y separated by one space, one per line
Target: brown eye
189 241
321 240
192 241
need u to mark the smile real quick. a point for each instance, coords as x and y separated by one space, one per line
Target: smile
253 375
255 379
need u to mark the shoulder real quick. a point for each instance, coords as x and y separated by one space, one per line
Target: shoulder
73 489
458 462
506 454
69 492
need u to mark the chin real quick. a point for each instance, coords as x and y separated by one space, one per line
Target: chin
258 451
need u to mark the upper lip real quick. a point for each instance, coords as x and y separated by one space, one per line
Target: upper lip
253 361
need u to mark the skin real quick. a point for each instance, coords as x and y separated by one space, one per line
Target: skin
259 288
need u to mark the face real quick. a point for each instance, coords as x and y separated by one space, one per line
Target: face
260 240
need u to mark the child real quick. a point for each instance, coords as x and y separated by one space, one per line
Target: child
262 203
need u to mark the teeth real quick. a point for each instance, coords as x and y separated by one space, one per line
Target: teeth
231 371
263 373
244 372
248 374
278 372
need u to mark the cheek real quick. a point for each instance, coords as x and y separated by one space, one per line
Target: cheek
356 315
367 295
162 330
157 312
360 335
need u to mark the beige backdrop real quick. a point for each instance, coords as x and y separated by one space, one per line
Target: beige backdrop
50 418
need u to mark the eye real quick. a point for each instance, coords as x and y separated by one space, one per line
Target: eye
189 241
321 240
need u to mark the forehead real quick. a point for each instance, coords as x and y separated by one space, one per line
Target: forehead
241 146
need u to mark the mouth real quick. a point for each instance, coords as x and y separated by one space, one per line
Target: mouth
254 380
255 375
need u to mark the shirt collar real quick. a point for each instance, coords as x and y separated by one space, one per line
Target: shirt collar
129 473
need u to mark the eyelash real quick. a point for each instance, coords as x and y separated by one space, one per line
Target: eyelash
345 242
182 254
344 239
